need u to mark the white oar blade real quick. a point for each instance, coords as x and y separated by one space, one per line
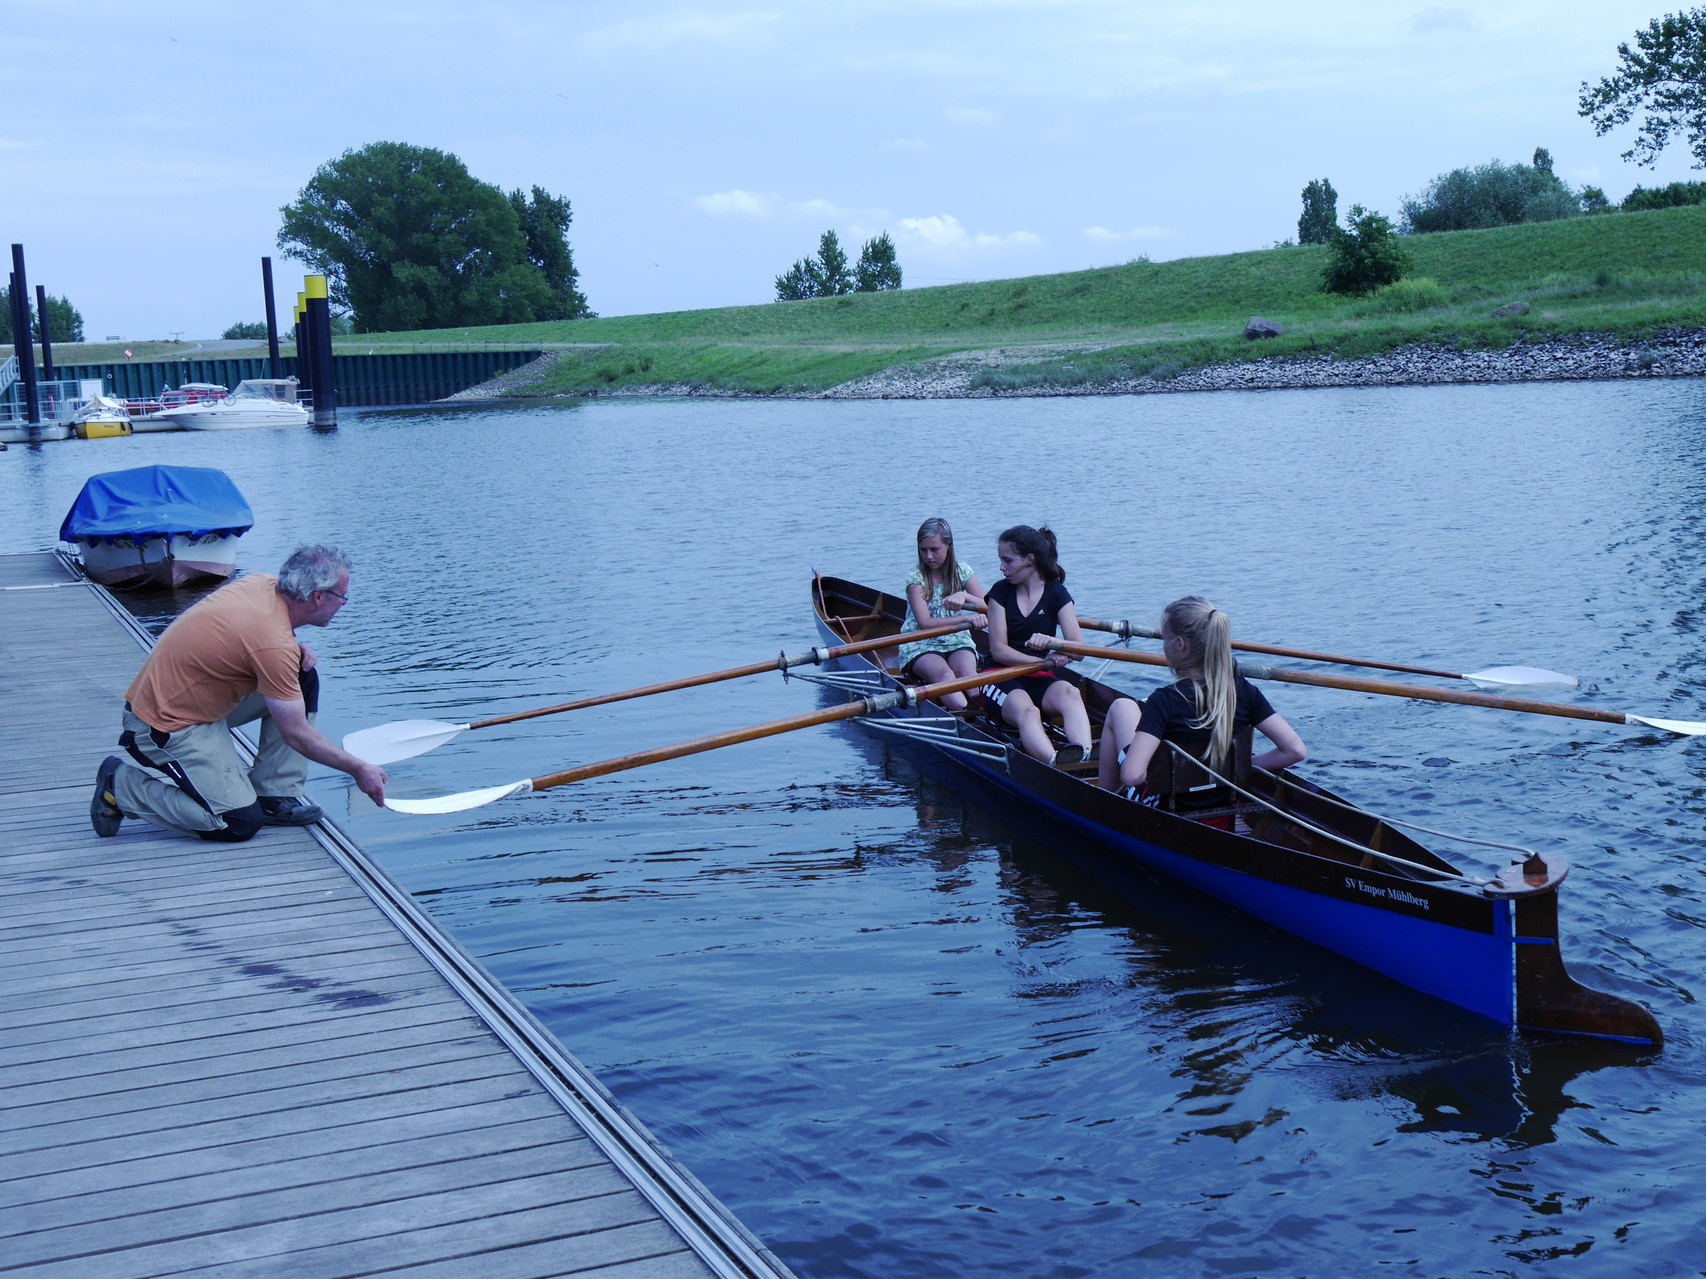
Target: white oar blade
403 739
458 803
1520 677
1686 727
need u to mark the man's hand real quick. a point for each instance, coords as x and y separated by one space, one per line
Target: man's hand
307 657
371 779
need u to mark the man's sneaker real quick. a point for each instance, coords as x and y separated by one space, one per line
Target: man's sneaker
288 810
104 812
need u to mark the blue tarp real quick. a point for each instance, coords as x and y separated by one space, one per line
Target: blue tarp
131 505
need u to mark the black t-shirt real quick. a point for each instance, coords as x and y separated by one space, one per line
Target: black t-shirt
1168 712
1044 619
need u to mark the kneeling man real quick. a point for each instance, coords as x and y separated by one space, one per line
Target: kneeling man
231 659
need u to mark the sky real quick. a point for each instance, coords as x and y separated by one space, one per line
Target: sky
146 150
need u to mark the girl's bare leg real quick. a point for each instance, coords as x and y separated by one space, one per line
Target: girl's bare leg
1019 711
1065 701
1119 726
933 668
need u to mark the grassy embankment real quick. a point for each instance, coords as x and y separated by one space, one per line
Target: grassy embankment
1624 274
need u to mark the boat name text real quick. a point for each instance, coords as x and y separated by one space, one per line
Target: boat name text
1392 894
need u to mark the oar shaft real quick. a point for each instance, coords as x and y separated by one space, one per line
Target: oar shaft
1357 685
809 719
1130 630
1126 630
782 663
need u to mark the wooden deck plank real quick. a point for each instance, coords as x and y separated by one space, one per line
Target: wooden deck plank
261 1058
290 1174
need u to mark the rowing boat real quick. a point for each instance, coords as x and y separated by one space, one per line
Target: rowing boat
1278 847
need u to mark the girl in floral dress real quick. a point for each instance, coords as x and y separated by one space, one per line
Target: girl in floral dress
939 587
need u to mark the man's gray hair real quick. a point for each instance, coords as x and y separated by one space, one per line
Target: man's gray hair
310 569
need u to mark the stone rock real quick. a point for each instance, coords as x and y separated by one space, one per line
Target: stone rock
1260 328
1511 308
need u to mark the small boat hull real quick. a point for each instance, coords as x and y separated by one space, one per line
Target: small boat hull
162 560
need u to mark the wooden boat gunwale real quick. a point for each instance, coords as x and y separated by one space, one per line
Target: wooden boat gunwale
1491 947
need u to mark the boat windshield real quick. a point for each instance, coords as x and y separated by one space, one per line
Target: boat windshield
280 389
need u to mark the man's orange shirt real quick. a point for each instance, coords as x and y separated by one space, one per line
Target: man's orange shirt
235 642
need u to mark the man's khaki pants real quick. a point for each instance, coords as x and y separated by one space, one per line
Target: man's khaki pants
196 783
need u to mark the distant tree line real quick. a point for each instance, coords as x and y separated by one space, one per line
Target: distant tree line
408 239
64 321
828 275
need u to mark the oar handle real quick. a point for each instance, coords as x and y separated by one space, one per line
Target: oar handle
809 719
1358 685
781 663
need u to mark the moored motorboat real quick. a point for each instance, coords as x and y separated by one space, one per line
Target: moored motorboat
1280 848
256 402
177 398
166 525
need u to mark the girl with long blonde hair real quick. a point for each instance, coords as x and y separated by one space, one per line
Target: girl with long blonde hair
1202 711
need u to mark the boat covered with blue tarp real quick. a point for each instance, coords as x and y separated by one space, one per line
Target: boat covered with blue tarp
162 524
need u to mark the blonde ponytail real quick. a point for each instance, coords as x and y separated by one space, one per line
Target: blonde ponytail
1207 633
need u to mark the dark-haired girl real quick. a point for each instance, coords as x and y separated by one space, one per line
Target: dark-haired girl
1027 607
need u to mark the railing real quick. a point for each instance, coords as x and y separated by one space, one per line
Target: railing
8 373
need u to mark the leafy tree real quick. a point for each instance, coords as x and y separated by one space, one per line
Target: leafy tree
877 269
824 276
1594 201
1320 213
254 330
1492 194
408 239
64 321
1664 77
1670 196
1366 254
545 222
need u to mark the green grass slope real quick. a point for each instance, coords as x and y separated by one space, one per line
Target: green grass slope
1623 273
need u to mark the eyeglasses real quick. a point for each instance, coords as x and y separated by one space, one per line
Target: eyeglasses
339 594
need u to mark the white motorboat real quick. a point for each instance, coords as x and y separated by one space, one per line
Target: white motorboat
256 402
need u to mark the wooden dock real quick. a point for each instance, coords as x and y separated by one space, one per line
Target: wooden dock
263 1059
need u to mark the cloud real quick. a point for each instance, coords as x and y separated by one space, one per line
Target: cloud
1102 235
974 117
686 28
943 233
905 144
1442 18
736 203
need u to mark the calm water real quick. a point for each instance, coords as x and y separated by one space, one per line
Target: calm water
906 1031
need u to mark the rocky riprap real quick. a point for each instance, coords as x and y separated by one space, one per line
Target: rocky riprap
1582 356
514 380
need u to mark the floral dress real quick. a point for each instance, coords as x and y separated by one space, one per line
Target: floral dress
936 643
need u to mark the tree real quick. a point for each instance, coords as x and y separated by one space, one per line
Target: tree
1366 254
1320 213
1492 194
1664 77
824 276
249 330
545 222
1594 200
1674 195
877 269
408 239
64 321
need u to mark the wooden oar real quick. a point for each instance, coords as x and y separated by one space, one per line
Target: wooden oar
1492 677
1415 691
850 710
406 738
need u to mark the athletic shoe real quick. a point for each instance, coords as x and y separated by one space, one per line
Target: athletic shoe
1069 755
104 812
288 810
